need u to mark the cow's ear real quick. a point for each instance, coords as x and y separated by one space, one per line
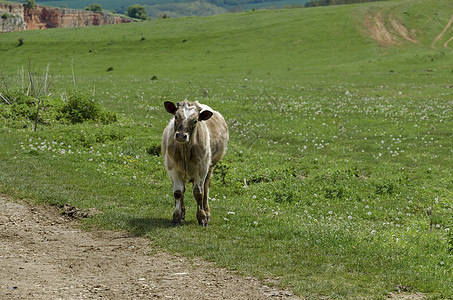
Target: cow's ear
170 107
205 115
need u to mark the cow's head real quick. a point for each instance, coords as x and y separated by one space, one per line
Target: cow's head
187 115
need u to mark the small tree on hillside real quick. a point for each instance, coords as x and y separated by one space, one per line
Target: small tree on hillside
94 7
31 4
136 11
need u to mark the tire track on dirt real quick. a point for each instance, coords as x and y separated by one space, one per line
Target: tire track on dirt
44 256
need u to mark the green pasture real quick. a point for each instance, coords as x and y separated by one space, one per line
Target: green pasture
338 177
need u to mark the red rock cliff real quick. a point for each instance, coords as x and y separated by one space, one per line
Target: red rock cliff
42 17
12 17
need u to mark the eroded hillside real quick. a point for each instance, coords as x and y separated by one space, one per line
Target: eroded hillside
18 17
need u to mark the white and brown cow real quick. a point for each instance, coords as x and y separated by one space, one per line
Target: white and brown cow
192 143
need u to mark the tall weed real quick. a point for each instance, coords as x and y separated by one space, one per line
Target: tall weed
30 99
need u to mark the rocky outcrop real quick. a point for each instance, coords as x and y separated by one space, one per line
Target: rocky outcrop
41 17
13 8
11 17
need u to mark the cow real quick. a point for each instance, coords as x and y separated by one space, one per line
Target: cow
194 141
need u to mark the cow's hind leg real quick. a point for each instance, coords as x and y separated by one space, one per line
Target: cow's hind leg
207 184
201 214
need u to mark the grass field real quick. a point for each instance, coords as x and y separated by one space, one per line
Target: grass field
338 178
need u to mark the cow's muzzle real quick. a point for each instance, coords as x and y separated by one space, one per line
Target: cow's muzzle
182 137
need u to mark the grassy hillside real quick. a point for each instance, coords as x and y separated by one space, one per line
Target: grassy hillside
338 179
304 41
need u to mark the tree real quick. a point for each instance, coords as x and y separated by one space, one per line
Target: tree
94 7
31 4
136 11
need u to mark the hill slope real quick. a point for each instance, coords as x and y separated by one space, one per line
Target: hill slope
294 41
337 180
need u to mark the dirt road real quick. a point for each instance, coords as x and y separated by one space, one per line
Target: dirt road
44 256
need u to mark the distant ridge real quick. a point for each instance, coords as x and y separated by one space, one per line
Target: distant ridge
17 17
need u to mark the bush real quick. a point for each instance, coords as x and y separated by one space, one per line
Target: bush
20 106
31 4
94 7
81 107
5 16
136 11
78 108
31 101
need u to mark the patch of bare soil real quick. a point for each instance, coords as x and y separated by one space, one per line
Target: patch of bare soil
43 255
377 29
407 296
385 34
402 30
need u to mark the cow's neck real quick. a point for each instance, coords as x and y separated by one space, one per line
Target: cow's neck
186 150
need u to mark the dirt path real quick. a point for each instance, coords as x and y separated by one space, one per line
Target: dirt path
448 41
44 256
442 33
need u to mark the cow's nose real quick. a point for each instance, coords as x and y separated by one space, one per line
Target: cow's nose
181 137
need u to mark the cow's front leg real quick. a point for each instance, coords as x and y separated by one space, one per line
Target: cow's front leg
201 214
180 210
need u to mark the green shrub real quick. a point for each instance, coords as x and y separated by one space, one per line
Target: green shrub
78 108
82 107
137 11
154 150
31 4
20 106
94 7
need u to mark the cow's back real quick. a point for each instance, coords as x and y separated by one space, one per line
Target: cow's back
218 133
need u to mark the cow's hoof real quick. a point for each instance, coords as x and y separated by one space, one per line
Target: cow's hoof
176 222
203 223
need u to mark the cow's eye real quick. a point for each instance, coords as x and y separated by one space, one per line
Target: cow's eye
176 117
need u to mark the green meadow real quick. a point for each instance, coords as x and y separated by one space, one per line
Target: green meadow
338 178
